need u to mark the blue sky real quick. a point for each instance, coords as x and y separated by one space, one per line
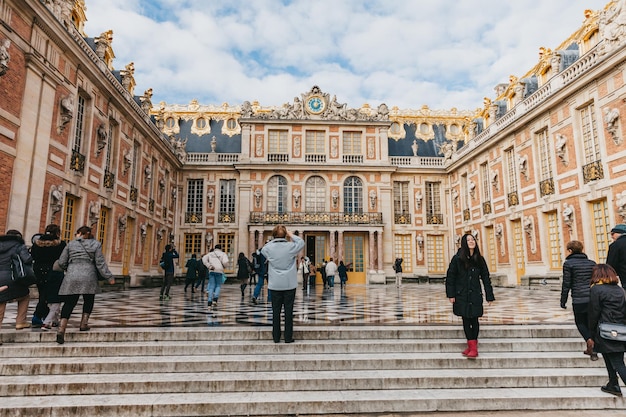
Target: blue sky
405 53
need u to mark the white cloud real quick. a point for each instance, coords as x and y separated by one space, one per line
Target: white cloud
406 53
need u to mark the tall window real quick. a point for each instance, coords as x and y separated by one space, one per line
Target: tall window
546 181
432 203
402 249
195 193
353 195
277 194
109 150
103 223
601 227
315 195
492 254
69 217
278 142
80 125
135 167
511 171
352 143
485 188
400 197
465 197
193 244
435 254
589 129
315 142
227 196
227 240
151 182
554 240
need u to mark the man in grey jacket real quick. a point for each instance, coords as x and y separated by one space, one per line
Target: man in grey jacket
281 253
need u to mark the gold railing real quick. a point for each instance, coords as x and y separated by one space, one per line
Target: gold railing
592 171
323 218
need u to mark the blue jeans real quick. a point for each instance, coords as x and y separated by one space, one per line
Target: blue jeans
331 280
259 286
214 286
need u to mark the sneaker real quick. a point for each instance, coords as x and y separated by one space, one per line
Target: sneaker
209 304
46 327
167 297
36 321
161 297
254 301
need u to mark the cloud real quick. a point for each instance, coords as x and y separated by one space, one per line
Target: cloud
406 53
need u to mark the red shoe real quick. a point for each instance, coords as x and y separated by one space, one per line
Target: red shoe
473 349
466 351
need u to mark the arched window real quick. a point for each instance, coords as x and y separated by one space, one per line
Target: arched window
353 195
315 195
277 194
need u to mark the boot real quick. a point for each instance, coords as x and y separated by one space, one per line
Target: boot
465 352
84 323
612 387
61 331
473 349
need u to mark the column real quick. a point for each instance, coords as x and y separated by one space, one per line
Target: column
380 251
251 242
340 245
372 251
331 244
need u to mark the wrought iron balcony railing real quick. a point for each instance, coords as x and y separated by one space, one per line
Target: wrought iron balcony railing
434 218
321 218
109 179
226 217
546 187
404 218
134 193
513 199
467 215
592 171
151 205
78 161
487 207
193 217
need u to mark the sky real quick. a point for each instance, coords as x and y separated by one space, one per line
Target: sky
407 53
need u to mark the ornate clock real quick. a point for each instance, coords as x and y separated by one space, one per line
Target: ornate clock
315 105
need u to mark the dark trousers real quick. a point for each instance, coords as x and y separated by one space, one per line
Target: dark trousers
471 327
167 283
614 362
582 319
70 301
284 298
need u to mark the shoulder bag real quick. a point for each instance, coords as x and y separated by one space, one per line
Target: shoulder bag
613 331
93 260
21 272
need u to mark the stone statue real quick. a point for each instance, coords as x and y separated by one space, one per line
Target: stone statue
102 136
373 198
560 148
568 214
103 42
611 116
67 111
296 198
414 147
246 110
4 56
446 149
146 101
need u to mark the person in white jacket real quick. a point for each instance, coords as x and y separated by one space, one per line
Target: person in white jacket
282 277
215 261
331 271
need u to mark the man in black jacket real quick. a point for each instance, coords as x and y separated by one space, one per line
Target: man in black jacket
616 257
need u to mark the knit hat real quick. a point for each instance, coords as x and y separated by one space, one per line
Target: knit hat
619 228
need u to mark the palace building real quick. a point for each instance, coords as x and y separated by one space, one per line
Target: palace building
542 162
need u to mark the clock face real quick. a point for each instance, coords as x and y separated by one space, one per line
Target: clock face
315 105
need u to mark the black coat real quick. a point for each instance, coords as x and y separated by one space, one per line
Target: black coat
577 270
10 245
463 284
616 257
45 251
607 304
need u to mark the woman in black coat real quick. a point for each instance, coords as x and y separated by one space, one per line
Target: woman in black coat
607 304
467 269
10 244
243 272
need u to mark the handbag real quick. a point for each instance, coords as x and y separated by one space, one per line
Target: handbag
21 272
93 260
613 331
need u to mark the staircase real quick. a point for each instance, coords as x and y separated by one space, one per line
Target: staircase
239 371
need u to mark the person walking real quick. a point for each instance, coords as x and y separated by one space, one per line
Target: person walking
607 304
303 271
82 259
167 260
45 251
463 288
397 266
10 244
203 274
282 279
342 270
215 261
577 270
312 274
243 272
331 271
261 272
616 255
191 276
322 270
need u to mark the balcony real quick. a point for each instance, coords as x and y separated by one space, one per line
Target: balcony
315 158
322 218
467 215
193 217
226 217
278 157
133 194
487 207
404 218
109 179
151 205
352 159
434 218
513 199
78 161
546 187
592 172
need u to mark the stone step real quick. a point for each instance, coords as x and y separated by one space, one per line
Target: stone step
188 382
302 402
205 347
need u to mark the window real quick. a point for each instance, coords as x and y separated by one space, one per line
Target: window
195 192
170 122
400 198
193 244
109 150
277 194
103 223
486 188
231 124
511 171
278 142
402 249
227 197
71 204
353 195
492 253
352 143
80 125
201 123
601 228
435 254
554 240
590 134
134 168
315 195
432 199
546 182
315 142
227 240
